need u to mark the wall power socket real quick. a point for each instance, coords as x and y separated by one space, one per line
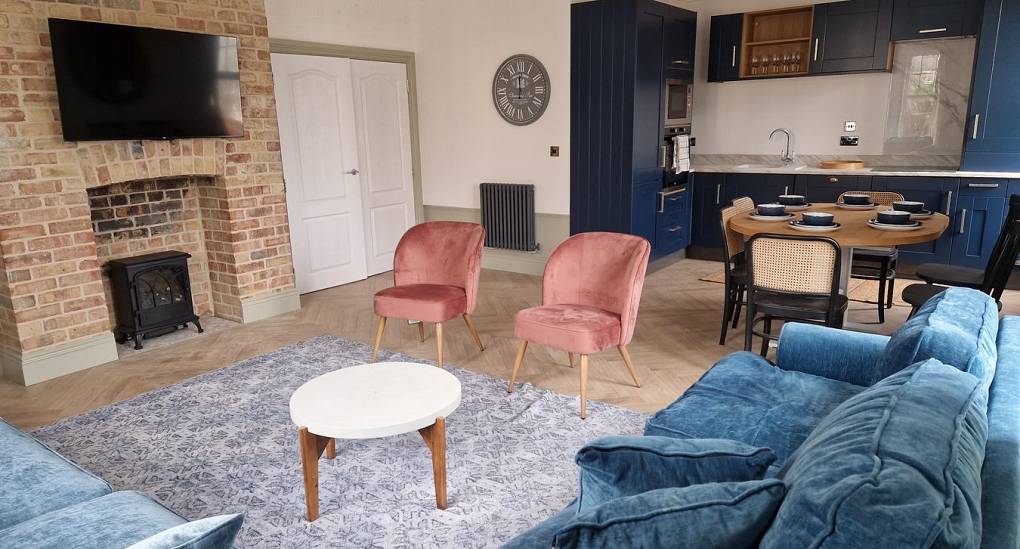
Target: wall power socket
849 140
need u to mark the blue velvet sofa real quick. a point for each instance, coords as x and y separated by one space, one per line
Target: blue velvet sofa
46 501
823 376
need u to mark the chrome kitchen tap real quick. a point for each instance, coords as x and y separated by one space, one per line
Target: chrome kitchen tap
787 157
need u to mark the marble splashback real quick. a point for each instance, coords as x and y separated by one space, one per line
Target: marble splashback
928 96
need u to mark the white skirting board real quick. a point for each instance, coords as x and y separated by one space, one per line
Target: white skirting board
36 366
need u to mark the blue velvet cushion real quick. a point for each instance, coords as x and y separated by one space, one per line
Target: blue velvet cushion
744 398
1000 493
958 327
35 480
618 466
208 533
114 520
898 465
835 354
724 515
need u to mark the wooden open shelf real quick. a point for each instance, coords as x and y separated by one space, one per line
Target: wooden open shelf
776 42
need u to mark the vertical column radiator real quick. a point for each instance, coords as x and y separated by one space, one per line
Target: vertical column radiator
508 215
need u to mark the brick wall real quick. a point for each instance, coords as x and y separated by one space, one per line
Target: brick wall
52 291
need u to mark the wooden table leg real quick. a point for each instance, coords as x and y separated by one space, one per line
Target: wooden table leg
331 449
312 446
435 438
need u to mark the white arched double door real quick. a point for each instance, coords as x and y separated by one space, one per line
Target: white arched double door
346 145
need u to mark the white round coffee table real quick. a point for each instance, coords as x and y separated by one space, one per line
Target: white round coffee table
373 401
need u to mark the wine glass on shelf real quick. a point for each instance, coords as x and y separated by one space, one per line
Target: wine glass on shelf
796 62
754 64
775 63
786 62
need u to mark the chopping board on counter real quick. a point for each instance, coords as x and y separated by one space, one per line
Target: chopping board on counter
841 164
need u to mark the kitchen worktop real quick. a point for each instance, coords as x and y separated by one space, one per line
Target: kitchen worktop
933 166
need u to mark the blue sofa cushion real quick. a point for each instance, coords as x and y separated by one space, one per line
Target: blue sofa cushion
958 327
35 480
114 520
898 465
724 515
1000 492
744 398
618 466
208 533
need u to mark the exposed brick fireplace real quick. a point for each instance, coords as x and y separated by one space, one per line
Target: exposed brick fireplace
66 208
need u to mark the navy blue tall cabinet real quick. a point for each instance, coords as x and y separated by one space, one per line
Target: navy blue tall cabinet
621 53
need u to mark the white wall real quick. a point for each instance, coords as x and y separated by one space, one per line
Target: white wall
737 117
386 24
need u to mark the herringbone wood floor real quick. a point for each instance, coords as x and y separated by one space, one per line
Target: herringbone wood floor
675 342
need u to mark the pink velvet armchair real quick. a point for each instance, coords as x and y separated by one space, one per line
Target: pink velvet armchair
590 295
435 276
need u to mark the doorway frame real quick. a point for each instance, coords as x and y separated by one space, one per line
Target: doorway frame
321 49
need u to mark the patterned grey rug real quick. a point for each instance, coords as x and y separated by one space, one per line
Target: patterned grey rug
223 442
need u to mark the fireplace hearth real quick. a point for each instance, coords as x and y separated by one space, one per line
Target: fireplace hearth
151 295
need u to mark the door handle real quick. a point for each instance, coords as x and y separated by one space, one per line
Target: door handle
963 221
977 119
983 185
816 49
733 57
352 172
949 202
929 31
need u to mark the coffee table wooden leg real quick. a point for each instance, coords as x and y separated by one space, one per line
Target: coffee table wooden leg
435 439
331 449
312 446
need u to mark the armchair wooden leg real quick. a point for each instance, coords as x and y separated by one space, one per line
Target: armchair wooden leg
439 343
378 337
584 386
630 365
570 357
471 328
517 364
421 331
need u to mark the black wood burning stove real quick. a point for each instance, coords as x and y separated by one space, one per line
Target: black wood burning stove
151 295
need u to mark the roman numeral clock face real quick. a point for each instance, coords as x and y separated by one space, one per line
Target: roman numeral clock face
520 90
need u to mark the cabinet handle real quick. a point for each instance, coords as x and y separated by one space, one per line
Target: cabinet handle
663 156
675 229
963 221
733 57
929 31
681 62
949 201
833 180
816 49
663 195
786 189
977 119
718 193
983 185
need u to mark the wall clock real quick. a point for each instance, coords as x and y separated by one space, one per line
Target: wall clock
520 89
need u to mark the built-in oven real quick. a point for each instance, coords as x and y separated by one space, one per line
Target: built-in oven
679 102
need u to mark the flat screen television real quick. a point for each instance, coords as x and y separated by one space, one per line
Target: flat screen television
122 82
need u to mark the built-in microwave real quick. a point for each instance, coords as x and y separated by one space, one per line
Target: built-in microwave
679 102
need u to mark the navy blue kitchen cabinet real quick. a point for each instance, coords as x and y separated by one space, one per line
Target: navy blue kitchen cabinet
762 188
993 126
938 194
916 19
673 231
827 188
708 199
851 36
620 51
980 213
724 47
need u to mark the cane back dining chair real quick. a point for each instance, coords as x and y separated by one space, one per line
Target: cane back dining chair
591 290
791 278
877 263
435 275
735 266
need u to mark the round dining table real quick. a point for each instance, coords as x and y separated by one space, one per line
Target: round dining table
853 233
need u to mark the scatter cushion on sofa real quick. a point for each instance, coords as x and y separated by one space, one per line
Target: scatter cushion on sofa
619 466
723 515
35 480
958 327
114 520
898 465
747 399
208 533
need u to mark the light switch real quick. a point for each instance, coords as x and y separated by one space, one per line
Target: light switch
850 126
554 151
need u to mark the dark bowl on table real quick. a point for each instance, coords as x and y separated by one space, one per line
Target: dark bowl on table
818 219
908 206
856 199
771 209
894 217
792 199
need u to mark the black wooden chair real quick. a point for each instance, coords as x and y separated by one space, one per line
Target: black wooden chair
992 280
794 279
736 267
877 263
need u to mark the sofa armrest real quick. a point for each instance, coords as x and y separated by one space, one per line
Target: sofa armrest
827 352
